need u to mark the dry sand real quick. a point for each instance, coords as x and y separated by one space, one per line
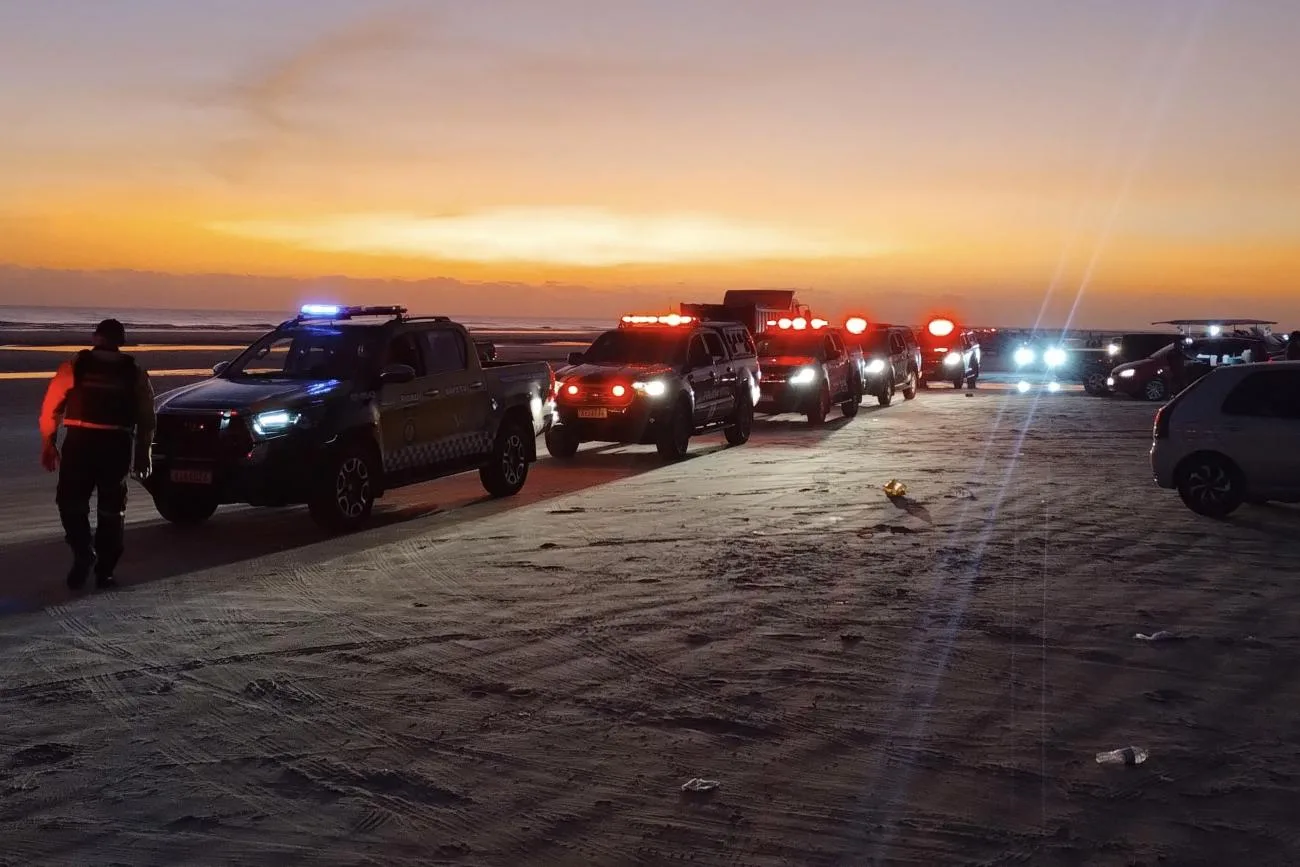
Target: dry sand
920 682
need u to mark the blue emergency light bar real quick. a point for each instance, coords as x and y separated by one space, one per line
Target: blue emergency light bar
338 311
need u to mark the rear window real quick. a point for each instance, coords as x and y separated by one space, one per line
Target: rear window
1266 394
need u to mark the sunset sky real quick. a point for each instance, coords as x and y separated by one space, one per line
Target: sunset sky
1135 158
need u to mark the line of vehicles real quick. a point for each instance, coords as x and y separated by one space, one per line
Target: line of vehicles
1142 365
338 405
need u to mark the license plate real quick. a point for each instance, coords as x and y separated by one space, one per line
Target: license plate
191 477
593 413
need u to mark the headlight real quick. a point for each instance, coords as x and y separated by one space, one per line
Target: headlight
1053 387
1022 386
1113 349
1024 355
1110 382
803 376
952 359
876 365
653 388
1054 357
275 422
1128 374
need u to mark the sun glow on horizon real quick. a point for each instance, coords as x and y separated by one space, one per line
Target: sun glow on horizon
580 237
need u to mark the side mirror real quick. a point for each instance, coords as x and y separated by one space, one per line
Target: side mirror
718 359
576 357
397 374
487 350
220 368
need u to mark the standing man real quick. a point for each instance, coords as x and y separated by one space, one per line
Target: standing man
103 398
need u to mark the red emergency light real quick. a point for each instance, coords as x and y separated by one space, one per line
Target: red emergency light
855 325
799 323
672 319
941 327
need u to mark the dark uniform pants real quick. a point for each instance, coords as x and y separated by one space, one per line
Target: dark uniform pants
94 461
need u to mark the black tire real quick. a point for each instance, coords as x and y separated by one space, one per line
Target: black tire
1094 383
742 423
507 468
674 437
818 413
850 407
909 387
1155 390
561 442
182 508
886 396
346 495
1211 485
925 383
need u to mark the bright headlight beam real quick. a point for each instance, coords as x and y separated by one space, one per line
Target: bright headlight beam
803 376
1024 355
1054 357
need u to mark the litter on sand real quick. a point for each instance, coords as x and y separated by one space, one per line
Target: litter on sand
1126 756
700 785
1162 635
895 488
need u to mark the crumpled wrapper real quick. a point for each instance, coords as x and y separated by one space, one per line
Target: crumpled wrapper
895 488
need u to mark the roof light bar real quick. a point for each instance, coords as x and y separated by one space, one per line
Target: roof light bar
672 319
320 310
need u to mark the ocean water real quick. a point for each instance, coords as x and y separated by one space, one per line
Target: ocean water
73 317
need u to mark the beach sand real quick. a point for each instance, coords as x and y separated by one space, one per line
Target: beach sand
922 681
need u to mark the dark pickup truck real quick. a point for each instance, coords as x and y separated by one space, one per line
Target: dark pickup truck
657 379
339 405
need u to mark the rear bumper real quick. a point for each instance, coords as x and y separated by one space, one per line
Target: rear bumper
940 372
1163 463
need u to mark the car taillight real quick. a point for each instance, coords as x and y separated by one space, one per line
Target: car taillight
1160 430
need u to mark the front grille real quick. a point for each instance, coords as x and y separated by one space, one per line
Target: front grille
200 436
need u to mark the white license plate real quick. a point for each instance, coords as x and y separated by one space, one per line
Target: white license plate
191 477
593 413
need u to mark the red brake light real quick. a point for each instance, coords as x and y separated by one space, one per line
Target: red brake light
818 323
618 391
941 327
855 325
573 389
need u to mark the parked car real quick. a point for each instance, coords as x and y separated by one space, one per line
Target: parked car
1121 349
807 368
893 361
1153 378
1232 437
339 405
949 353
657 379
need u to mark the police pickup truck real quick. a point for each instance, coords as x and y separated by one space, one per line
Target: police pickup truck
339 405
657 379
808 369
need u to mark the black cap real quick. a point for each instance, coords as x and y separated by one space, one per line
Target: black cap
112 331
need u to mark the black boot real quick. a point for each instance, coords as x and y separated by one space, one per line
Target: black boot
81 566
105 582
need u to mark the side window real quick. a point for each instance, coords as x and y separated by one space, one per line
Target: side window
747 341
698 354
405 349
837 344
740 343
713 343
446 349
1267 394
896 344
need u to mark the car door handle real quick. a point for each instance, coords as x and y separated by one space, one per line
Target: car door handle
476 386
433 392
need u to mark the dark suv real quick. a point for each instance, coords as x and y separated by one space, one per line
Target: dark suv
809 370
340 404
949 353
657 379
892 358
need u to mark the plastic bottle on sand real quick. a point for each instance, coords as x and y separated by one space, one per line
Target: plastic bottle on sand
1126 756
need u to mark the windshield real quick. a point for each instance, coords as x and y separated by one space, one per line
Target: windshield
302 353
789 343
652 346
875 341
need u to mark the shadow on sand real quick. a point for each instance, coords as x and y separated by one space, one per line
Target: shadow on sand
32 573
